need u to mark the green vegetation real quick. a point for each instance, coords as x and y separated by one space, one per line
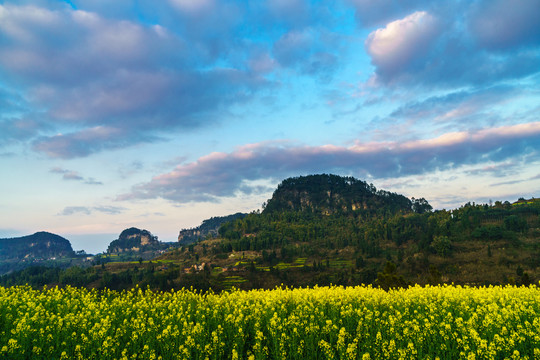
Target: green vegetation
208 228
325 229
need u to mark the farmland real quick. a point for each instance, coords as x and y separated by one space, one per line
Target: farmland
446 322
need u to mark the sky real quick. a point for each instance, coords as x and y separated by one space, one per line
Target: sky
160 114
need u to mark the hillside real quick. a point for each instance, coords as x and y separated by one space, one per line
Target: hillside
209 227
16 253
332 194
39 245
311 234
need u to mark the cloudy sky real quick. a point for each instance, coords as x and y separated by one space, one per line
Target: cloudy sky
160 114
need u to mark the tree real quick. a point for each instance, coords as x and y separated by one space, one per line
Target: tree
388 278
515 223
421 206
442 245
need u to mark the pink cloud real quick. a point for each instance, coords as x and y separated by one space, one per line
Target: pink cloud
224 174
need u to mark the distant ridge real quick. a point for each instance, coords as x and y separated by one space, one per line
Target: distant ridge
39 245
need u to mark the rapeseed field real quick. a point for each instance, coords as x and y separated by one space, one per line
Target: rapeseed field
441 322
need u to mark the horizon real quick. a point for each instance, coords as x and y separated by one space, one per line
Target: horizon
94 244
159 116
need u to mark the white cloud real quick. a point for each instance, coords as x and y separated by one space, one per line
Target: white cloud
402 42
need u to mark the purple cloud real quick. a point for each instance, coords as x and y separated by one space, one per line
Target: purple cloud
79 144
309 51
73 210
19 129
73 175
501 25
90 73
110 76
85 210
224 174
432 47
453 111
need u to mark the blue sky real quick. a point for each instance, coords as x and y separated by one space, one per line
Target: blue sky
162 114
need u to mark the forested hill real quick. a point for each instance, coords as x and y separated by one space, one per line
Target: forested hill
209 227
325 229
332 194
39 245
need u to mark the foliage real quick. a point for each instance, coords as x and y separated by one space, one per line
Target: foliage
442 245
332 194
444 322
421 206
209 227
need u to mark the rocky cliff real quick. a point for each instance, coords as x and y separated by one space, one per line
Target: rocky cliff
133 240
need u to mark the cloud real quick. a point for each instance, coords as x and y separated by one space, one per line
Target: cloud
501 25
193 7
294 13
73 175
499 170
292 46
435 47
262 63
220 175
84 210
92 181
369 13
402 44
104 77
73 210
308 50
510 182
92 75
451 111
112 210
20 129
83 143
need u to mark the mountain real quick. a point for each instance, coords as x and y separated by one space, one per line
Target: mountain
134 240
209 227
326 229
39 248
331 194
42 245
